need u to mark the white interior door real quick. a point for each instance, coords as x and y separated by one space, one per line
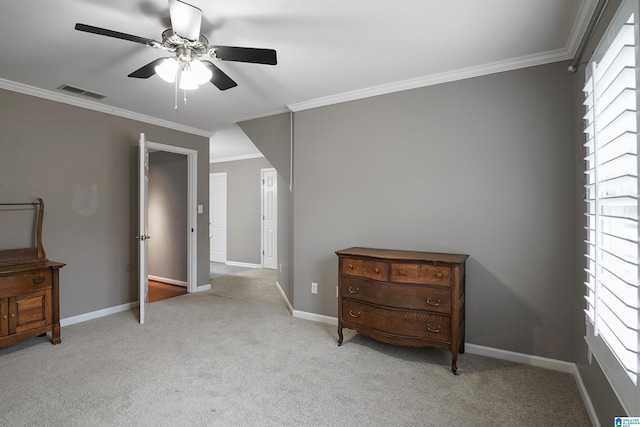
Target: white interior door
143 209
269 218
218 216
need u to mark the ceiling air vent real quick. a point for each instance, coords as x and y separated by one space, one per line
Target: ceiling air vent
82 92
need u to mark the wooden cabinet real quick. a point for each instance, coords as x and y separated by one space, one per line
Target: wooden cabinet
29 288
403 297
29 303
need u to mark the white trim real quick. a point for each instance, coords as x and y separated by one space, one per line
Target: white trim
243 264
315 317
284 297
169 281
201 288
192 213
586 399
465 73
580 25
96 106
68 321
239 157
525 359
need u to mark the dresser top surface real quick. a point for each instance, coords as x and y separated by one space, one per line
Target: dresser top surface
26 267
401 255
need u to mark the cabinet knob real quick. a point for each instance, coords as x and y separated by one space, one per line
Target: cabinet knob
402 272
351 266
439 275
13 315
377 270
5 316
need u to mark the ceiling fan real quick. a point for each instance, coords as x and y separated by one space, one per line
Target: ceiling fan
187 68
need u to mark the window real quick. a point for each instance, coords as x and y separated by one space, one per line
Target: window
611 183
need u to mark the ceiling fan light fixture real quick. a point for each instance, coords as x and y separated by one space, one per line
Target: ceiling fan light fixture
188 79
201 73
168 69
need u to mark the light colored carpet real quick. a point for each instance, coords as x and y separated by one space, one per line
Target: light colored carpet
234 356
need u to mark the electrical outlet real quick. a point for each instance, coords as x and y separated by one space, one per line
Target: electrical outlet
314 288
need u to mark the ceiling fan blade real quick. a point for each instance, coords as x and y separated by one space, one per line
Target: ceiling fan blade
244 54
146 71
219 78
185 19
116 34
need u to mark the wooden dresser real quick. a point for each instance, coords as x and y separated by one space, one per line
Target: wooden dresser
29 289
403 297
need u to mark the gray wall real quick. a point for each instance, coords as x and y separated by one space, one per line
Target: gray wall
483 166
168 193
244 195
272 135
72 157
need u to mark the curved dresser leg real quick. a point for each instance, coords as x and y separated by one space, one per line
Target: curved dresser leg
339 335
454 364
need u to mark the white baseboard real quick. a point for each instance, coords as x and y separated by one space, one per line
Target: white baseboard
525 359
284 297
201 288
97 314
585 397
243 264
315 317
169 281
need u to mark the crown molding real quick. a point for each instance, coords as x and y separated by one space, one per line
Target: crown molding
239 157
96 106
462 74
585 13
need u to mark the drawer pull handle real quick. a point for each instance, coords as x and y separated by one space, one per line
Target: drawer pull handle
435 304
13 315
402 273
435 331
352 314
377 270
5 316
353 291
38 279
351 266
439 275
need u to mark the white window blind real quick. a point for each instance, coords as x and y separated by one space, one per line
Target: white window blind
611 181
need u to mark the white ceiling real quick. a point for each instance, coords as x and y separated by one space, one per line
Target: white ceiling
328 50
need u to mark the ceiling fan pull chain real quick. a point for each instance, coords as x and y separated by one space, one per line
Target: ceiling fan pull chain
175 95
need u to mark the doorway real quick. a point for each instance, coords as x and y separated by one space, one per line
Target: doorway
167 223
192 240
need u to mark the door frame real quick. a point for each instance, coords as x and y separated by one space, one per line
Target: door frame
192 215
262 173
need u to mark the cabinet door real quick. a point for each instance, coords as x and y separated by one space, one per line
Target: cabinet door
29 311
4 317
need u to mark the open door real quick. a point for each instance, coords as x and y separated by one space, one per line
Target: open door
143 205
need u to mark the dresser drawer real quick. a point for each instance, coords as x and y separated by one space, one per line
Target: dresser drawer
377 270
27 282
397 295
421 274
417 324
